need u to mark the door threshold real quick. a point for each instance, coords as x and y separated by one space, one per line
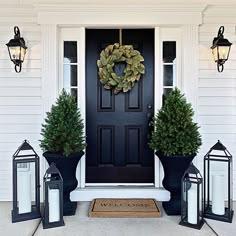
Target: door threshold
89 193
118 184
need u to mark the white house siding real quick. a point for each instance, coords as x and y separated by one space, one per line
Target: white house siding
20 93
217 91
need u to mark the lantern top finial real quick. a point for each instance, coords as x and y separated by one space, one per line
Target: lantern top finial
218 146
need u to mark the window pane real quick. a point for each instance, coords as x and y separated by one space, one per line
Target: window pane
169 51
168 75
70 52
70 75
166 92
74 93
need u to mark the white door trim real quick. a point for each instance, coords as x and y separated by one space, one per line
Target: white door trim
148 17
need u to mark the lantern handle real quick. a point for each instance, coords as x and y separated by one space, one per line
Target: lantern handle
17 32
18 68
221 32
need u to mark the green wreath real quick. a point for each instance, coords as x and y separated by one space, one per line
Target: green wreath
116 53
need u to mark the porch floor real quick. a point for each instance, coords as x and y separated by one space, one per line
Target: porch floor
82 225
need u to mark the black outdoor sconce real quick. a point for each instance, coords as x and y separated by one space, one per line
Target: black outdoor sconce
26 187
220 49
191 198
17 49
218 184
53 198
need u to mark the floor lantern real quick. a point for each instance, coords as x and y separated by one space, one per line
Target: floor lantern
191 198
26 187
53 198
218 184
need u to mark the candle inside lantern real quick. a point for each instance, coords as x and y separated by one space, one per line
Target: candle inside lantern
218 205
192 206
54 207
24 192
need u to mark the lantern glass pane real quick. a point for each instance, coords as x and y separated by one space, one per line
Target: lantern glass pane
15 52
223 52
215 53
26 197
23 52
218 183
54 202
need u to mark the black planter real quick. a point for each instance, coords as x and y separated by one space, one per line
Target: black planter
174 168
67 167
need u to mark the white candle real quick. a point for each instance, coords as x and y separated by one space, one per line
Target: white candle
192 206
218 205
24 191
54 208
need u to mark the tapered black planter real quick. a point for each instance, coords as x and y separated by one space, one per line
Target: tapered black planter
174 168
67 167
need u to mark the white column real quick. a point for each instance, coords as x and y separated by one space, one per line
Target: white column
24 192
190 67
218 205
190 64
49 57
54 205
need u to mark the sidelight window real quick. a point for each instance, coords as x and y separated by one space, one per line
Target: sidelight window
169 67
70 67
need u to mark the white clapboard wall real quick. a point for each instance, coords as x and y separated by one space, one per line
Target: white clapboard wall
20 93
217 91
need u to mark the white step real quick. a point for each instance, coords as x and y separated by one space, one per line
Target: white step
89 193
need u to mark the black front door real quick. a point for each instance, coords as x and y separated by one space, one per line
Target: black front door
117 126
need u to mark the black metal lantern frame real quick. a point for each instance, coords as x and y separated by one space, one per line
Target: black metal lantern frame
17 49
53 184
191 198
26 186
224 159
220 49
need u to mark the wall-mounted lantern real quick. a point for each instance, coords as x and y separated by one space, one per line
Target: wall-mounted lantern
220 49
218 184
191 198
26 194
53 198
17 49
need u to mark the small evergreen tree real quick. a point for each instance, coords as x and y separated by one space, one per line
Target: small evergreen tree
63 128
175 133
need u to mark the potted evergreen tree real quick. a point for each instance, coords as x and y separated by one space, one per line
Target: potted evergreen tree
176 140
63 143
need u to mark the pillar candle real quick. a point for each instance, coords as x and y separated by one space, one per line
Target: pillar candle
192 206
54 208
24 192
218 205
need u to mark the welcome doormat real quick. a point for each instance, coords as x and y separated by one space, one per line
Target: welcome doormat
119 208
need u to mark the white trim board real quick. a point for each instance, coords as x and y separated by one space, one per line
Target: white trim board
89 193
119 15
148 18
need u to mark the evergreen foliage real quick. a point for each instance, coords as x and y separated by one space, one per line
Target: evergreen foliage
63 128
175 133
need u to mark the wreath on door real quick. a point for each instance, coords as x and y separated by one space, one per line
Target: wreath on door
116 53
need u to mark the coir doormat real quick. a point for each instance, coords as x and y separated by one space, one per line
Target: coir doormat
119 208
